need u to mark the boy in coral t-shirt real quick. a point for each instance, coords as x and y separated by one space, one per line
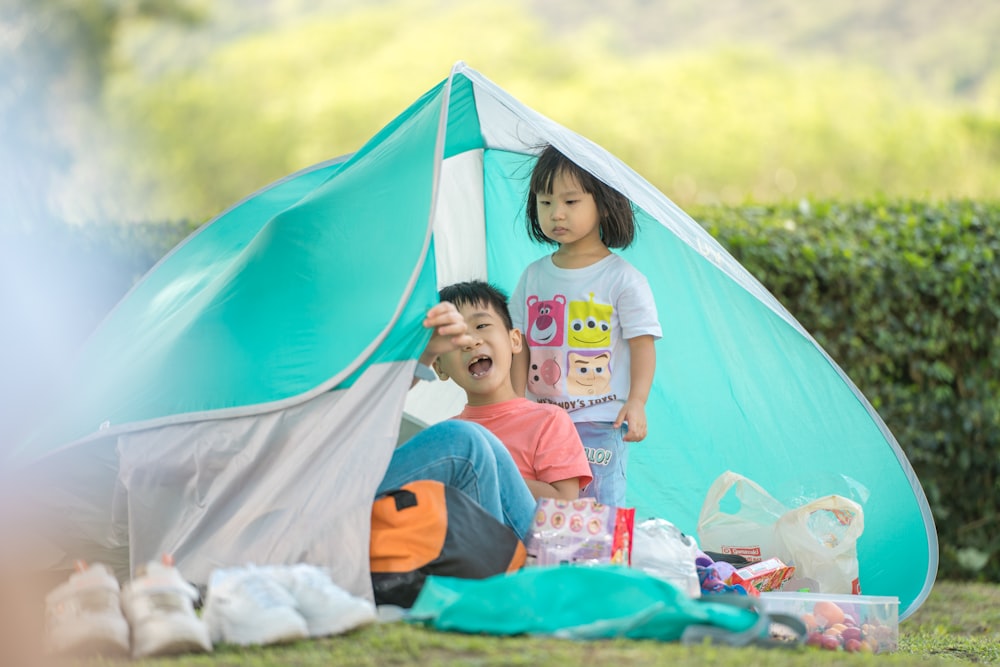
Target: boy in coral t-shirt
541 438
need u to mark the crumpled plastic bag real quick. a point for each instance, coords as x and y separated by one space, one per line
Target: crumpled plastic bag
749 532
659 548
821 540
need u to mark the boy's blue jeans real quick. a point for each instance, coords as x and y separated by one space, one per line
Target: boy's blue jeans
468 457
607 453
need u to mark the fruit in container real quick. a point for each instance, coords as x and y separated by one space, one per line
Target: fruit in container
853 624
831 628
851 633
828 613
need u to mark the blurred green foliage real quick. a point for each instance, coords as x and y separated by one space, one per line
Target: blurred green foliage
158 109
947 45
733 124
55 56
905 296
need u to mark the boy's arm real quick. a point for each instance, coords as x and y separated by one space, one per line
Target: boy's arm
563 489
519 370
642 350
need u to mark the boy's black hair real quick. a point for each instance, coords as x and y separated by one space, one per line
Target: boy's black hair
614 208
478 293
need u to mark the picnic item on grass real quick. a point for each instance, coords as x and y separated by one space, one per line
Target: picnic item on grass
580 531
597 602
818 538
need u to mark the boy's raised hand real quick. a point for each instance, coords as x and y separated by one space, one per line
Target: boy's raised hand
450 331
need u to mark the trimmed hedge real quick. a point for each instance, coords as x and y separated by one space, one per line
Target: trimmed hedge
905 296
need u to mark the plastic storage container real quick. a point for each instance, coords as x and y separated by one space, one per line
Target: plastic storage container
854 623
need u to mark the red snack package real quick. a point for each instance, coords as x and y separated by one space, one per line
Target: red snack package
767 575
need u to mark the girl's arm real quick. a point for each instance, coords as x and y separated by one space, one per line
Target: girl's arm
643 364
519 370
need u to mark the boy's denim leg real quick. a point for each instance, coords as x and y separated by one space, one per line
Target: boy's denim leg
470 458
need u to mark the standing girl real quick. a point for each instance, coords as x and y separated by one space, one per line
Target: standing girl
588 317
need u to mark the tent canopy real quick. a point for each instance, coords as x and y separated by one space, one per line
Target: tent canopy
318 283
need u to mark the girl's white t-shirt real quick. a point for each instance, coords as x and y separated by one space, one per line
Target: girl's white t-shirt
576 324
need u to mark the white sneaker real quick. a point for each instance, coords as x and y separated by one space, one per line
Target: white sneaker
246 606
159 605
83 615
327 608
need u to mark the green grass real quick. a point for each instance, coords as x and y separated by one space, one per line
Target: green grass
958 624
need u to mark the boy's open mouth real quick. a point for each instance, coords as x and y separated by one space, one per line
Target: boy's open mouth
480 366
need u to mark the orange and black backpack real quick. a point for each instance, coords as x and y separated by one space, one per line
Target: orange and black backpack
427 527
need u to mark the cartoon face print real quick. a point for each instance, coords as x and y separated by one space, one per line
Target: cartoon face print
589 324
544 372
589 373
546 320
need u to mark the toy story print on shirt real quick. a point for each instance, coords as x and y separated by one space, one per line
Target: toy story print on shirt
569 344
577 324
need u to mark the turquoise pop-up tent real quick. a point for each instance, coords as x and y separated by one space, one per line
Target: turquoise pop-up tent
241 403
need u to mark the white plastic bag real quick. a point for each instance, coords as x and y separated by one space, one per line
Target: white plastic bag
820 539
661 550
749 532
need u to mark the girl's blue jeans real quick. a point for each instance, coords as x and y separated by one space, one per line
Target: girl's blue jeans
607 453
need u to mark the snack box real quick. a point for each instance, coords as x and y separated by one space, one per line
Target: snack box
767 575
853 623
581 531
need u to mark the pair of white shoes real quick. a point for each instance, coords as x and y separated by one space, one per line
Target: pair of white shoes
279 603
90 614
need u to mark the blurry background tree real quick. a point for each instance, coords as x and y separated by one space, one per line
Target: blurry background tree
56 282
55 56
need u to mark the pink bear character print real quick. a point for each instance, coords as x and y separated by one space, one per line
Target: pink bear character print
546 320
544 372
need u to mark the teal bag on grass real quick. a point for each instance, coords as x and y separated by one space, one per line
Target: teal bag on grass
602 602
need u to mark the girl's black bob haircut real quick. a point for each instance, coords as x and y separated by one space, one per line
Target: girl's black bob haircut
614 208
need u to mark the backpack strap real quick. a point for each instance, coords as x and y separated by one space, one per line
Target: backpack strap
404 498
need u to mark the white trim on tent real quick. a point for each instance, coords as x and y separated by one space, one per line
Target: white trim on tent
459 221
